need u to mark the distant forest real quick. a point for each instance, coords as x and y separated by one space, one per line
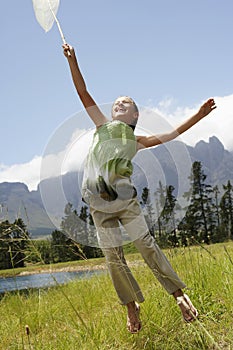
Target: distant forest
208 218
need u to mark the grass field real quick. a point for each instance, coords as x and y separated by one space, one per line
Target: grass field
86 314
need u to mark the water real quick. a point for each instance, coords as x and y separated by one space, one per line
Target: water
41 280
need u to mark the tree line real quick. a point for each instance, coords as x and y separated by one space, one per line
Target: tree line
208 218
17 249
13 242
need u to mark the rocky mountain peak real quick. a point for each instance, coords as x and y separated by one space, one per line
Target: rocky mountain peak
211 153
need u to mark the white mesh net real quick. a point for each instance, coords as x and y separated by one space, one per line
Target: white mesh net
45 10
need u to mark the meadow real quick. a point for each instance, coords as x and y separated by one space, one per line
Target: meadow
85 314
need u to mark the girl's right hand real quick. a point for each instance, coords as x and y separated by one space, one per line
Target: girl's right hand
68 50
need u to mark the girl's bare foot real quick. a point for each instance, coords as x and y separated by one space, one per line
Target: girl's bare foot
133 320
189 312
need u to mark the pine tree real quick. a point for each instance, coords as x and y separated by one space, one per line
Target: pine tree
167 216
61 247
83 216
20 237
80 229
148 210
71 224
198 221
5 258
13 243
216 213
226 211
160 197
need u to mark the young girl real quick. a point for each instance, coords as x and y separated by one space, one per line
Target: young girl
107 188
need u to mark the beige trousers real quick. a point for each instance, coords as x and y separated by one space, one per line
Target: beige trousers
110 219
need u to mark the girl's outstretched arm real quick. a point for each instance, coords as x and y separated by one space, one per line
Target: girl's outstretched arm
88 102
154 140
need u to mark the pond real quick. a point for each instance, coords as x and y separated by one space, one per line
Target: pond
42 280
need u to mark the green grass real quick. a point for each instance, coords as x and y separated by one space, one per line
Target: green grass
85 314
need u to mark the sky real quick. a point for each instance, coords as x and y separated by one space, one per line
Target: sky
170 56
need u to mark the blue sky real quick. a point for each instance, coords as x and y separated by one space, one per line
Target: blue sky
168 55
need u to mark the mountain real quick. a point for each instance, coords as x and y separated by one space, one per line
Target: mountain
217 162
17 201
170 163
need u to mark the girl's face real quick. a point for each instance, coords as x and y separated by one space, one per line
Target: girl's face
124 109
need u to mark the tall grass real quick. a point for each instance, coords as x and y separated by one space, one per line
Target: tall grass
85 314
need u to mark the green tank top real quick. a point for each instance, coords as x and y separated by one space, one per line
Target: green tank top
108 166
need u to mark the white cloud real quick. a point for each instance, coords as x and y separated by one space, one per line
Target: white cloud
28 173
156 120
76 151
70 159
50 165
